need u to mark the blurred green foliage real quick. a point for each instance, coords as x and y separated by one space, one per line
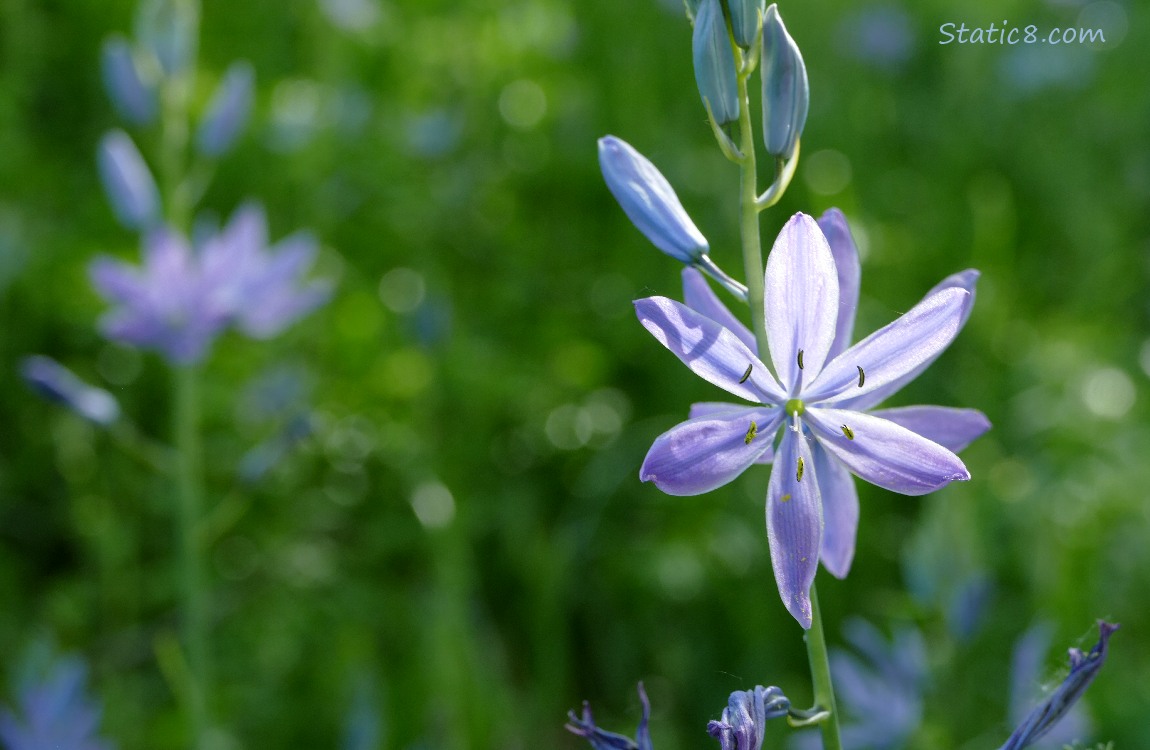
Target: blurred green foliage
465 529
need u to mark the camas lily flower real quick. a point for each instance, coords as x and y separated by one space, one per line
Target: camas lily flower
183 297
818 395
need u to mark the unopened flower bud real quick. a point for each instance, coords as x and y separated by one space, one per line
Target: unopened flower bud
649 201
57 383
745 15
786 94
715 63
127 181
168 28
133 99
228 112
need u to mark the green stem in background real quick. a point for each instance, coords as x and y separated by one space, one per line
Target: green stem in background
190 494
821 677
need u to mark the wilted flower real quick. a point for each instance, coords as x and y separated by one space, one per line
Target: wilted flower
743 722
127 181
55 713
786 93
57 383
228 111
132 98
600 739
715 63
821 398
1083 669
183 297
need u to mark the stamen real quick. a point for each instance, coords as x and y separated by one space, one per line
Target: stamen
795 423
751 432
848 432
800 359
799 471
746 374
862 376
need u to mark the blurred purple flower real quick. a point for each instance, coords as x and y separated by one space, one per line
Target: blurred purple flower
1083 669
826 392
130 95
600 739
54 713
57 383
127 181
183 297
881 36
744 719
228 111
880 688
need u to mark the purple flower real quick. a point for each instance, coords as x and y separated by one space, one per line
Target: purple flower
182 298
820 393
603 740
1083 669
744 719
54 713
57 383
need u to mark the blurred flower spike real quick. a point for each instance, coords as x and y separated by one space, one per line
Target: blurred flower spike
715 63
746 16
819 394
786 93
168 29
584 726
182 297
744 719
57 383
649 201
1083 669
54 712
228 111
134 99
128 182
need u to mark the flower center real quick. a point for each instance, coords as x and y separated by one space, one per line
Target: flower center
795 407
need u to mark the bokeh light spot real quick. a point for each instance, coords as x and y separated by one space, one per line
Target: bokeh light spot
827 172
1108 392
433 504
522 104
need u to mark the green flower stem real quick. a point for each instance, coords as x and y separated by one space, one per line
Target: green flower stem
189 497
749 217
821 677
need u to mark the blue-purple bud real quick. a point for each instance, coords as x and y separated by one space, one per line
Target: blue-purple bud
133 99
58 384
786 94
649 201
228 112
715 63
745 19
127 181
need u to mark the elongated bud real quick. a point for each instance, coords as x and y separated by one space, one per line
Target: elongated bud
133 99
228 112
786 94
715 63
57 383
745 15
168 28
127 181
649 201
